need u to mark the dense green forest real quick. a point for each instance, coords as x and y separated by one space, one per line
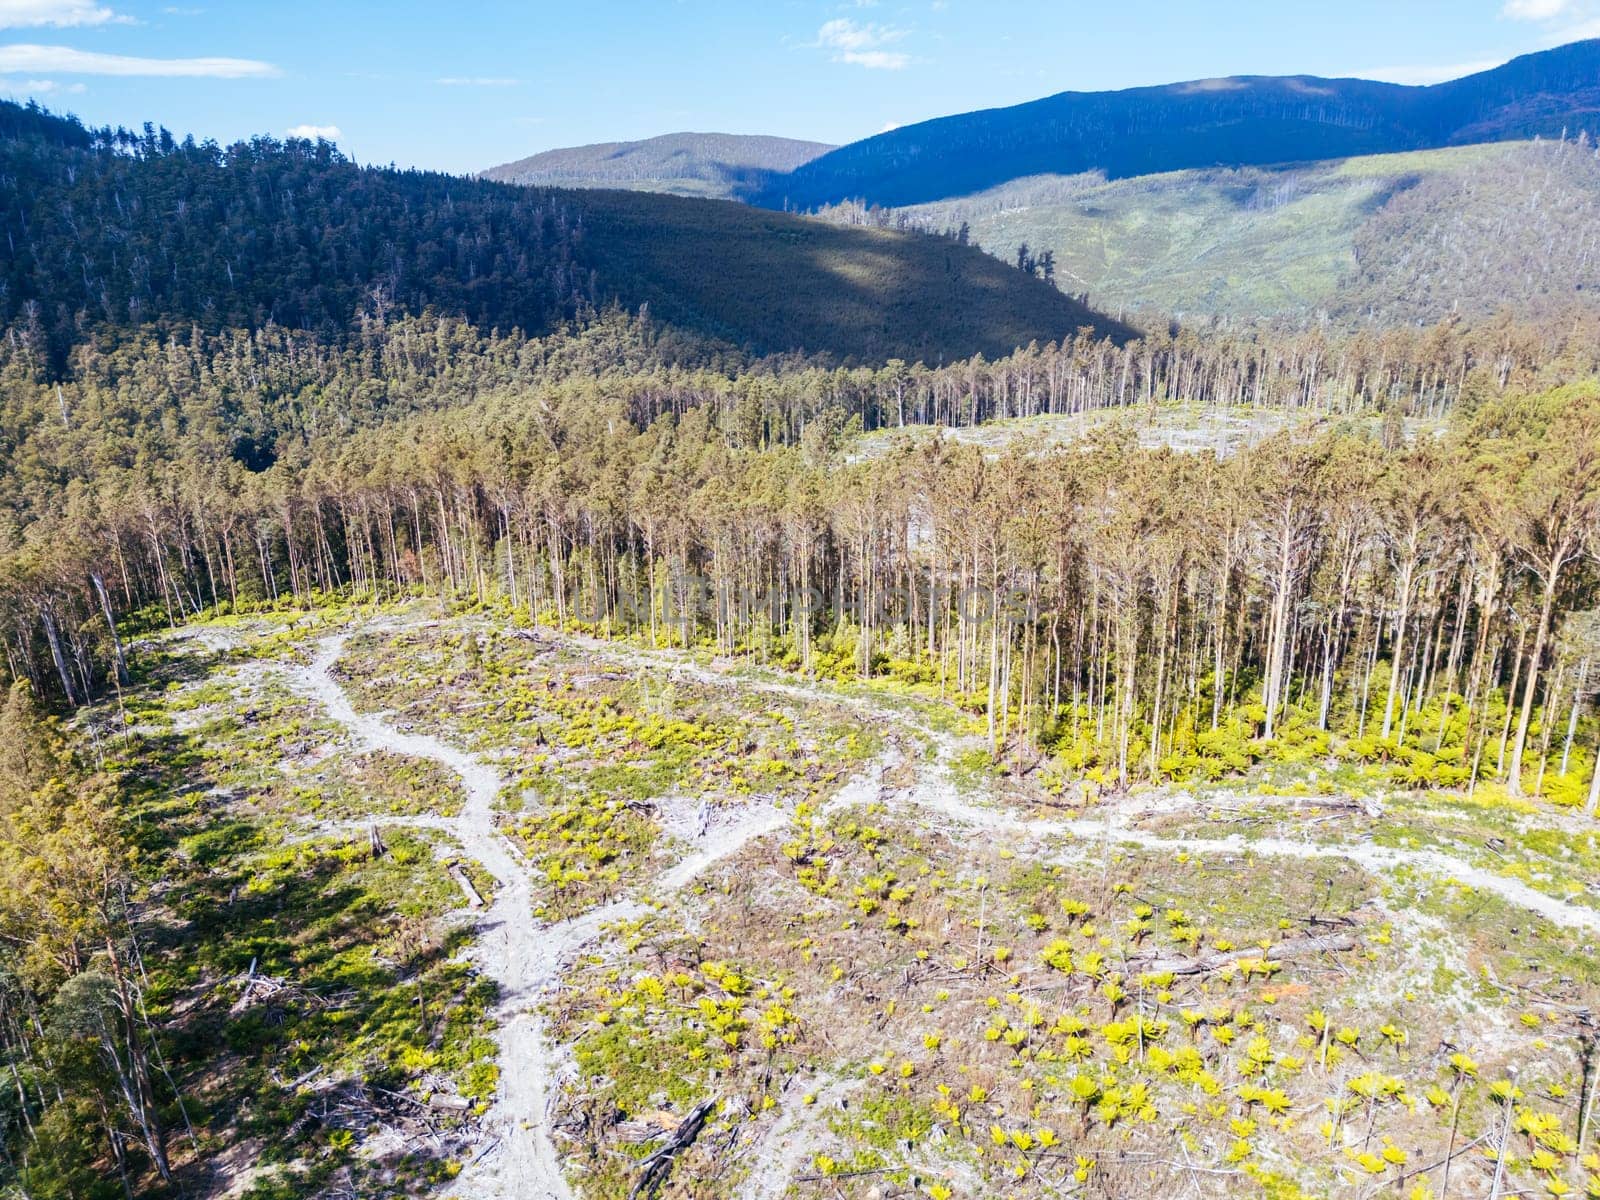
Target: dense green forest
1239 121
109 227
112 228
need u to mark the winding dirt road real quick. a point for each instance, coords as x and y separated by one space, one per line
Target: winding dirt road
514 950
522 955
935 792
525 957
1111 832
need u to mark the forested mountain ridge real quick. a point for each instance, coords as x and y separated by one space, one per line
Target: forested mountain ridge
116 229
685 164
1246 120
112 229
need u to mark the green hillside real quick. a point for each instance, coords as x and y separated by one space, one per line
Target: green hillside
1408 237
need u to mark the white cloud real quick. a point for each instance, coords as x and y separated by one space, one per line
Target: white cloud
844 34
314 132
20 14
66 60
40 87
478 81
1563 20
1423 74
863 45
1535 10
875 60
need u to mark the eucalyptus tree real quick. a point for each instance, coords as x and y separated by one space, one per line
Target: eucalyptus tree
1542 459
1412 510
1288 521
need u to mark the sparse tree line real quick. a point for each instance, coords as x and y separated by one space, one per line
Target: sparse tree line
132 403
1183 611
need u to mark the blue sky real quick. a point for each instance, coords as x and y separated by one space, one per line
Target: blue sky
463 86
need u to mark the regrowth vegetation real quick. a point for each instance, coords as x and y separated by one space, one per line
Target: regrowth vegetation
1383 240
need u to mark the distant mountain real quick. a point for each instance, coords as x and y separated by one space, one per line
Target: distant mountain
1241 121
724 165
110 229
1412 237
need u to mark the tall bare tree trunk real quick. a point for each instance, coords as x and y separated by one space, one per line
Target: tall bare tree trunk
1539 639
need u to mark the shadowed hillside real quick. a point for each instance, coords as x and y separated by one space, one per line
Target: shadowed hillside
785 283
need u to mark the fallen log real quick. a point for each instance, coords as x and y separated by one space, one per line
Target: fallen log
1365 805
300 1081
254 989
1279 952
653 1172
593 677
474 898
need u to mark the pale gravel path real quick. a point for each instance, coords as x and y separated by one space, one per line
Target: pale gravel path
523 956
1111 832
512 949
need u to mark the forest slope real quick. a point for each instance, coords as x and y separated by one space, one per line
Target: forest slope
1400 237
783 283
115 229
1202 123
719 165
